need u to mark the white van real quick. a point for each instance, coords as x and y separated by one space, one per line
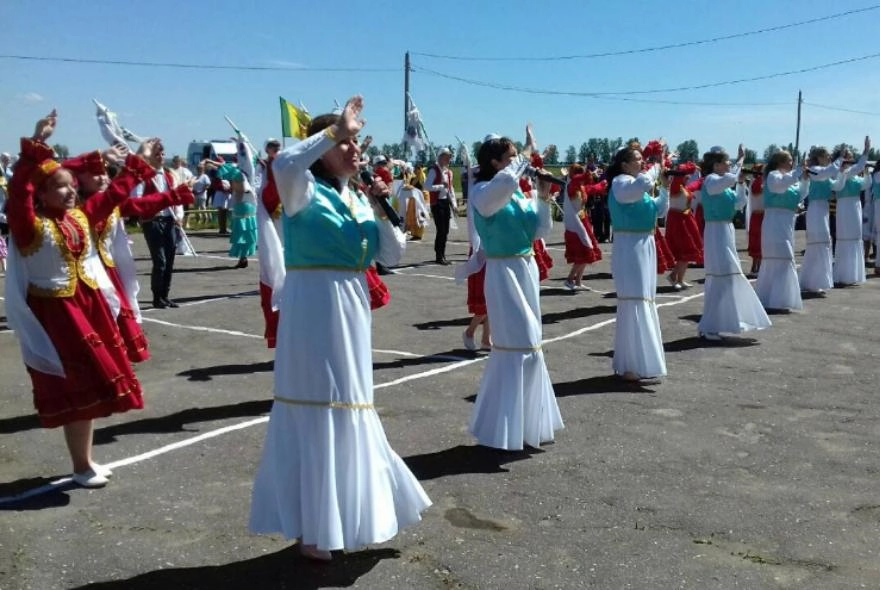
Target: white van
213 149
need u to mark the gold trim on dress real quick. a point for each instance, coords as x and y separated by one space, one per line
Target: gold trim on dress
37 241
526 255
515 349
330 405
106 255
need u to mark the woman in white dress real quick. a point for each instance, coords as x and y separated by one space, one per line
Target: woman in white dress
816 269
638 343
849 253
328 476
730 304
515 404
786 188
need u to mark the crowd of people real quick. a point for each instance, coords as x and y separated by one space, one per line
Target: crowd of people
321 223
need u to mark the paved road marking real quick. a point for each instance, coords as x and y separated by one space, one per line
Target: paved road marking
57 484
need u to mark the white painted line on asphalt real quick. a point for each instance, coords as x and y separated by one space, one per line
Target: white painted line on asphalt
212 433
203 328
417 274
53 485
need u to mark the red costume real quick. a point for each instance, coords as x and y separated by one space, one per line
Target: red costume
63 293
379 293
682 233
542 256
756 219
148 206
272 203
581 189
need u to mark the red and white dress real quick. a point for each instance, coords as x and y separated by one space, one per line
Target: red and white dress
682 232
57 298
581 245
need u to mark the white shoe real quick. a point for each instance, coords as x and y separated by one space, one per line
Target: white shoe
102 470
677 287
713 336
685 284
569 285
582 288
90 479
469 341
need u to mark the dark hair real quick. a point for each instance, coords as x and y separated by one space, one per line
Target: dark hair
707 166
817 152
620 158
494 149
318 169
775 159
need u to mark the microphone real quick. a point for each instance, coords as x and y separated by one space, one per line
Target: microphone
390 213
536 173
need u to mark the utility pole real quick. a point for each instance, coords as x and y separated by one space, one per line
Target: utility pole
797 135
406 69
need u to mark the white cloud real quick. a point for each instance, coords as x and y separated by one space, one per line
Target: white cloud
31 97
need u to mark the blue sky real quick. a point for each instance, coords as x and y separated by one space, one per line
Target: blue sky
180 105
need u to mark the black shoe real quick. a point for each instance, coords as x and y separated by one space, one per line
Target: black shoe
170 303
242 263
159 303
443 261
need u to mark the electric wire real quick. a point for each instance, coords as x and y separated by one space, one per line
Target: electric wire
656 48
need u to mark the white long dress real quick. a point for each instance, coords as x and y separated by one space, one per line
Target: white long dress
849 252
515 404
638 342
730 304
816 267
777 285
875 200
328 475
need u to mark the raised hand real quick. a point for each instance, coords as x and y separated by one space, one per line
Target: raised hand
741 152
350 122
116 154
45 127
530 137
867 144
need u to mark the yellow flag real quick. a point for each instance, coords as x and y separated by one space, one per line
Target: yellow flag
294 121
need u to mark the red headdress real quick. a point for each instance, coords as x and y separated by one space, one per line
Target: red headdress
537 161
678 181
88 163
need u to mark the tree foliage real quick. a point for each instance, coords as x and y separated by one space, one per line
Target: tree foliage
688 151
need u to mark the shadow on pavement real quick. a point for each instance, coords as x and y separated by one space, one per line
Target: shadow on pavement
439 324
282 569
51 499
208 373
600 384
464 459
695 342
19 424
577 312
176 422
451 356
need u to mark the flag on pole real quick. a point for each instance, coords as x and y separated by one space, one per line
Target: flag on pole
413 137
111 130
294 121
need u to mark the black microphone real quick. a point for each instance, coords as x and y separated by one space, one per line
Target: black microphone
390 213
535 172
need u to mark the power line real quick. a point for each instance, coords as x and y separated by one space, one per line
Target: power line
119 62
830 108
657 48
618 93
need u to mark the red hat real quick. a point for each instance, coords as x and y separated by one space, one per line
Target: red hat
524 184
677 183
43 172
537 161
89 163
654 149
